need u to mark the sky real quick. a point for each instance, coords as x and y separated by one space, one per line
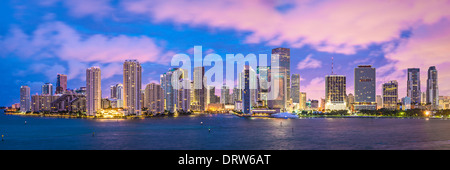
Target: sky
41 38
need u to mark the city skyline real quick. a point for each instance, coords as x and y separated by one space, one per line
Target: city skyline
81 38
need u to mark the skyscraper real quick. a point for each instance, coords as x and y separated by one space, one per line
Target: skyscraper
365 79
117 93
170 83
199 102
282 55
224 94
295 88
132 81
25 99
432 88
210 95
302 104
390 95
335 91
93 90
350 100
413 85
47 89
61 84
154 98
246 103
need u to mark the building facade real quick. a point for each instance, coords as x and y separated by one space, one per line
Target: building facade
365 88
335 92
61 84
132 80
390 95
413 85
432 88
25 99
93 91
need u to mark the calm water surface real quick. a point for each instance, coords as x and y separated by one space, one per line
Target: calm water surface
227 132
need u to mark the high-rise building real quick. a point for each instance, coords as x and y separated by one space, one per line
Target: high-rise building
302 104
282 56
200 102
25 99
117 93
154 98
406 103
295 88
365 88
390 95
432 88
224 94
335 91
423 98
132 80
61 84
42 103
263 74
93 90
184 96
173 75
413 85
210 95
47 89
246 103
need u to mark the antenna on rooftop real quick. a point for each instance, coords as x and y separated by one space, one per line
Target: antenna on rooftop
332 64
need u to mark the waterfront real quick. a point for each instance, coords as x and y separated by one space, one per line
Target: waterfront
227 132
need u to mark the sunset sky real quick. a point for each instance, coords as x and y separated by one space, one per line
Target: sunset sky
40 38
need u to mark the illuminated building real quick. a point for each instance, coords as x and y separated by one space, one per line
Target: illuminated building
61 84
200 91
295 88
93 90
47 89
335 91
154 97
25 103
132 81
365 88
283 55
432 91
413 85
224 94
390 95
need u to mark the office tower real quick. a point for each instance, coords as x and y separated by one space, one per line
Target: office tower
154 98
295 88
246 103
61 84
413 85
132 80
106 103
210 98
432 88
171 90
93 90
200 101
142 100
47 89
302 103
365 80
25 103
335 91
390 95
184 95
224 94
282 78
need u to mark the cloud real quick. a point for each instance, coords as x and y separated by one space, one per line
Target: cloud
82 8
309 62
58 40
340 26
427 46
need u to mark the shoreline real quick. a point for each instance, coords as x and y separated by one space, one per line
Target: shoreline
172 115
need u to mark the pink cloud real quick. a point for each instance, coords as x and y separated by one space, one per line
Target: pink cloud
428 46
309 62
341 26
